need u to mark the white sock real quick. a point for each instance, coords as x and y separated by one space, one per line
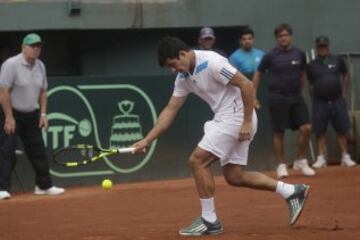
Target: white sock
285 189
321 156
208 209
345 155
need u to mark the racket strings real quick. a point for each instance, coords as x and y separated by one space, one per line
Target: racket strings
76 155
83 154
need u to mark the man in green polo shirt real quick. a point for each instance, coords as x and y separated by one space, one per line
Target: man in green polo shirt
23 86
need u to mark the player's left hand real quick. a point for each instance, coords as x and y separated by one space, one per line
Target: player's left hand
245 131
43 122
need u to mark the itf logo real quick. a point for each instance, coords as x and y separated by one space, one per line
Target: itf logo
106 116
61 135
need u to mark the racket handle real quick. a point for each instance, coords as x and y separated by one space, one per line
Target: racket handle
126 150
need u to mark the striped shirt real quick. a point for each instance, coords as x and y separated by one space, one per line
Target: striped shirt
210 81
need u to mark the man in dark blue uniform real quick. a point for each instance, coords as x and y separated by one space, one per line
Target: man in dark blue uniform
328 79
285 66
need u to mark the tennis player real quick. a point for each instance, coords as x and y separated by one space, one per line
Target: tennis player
226 137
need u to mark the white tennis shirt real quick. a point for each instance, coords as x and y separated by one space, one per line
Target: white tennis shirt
210 81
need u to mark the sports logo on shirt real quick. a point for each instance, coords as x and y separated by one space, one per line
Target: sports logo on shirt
226 73
201 67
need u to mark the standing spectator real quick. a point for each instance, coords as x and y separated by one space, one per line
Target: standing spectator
206 41
246 58
328 78
23 87
285 65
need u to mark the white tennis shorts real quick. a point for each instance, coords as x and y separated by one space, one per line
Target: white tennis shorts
221 139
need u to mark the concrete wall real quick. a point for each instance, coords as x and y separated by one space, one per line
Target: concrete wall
337 19
309 17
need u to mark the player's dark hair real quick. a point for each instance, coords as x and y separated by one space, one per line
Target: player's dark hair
169 47
283 27
246 31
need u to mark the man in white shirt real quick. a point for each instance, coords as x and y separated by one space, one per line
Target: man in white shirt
227 136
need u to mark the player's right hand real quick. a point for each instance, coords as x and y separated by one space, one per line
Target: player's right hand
9 125
140 146
256 104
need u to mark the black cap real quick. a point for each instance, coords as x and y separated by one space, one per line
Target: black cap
322 41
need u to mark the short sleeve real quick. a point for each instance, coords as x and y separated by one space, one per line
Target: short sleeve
232 59
342 66
260 54
222 70
302 60
7 74
43 70
264 64
180 89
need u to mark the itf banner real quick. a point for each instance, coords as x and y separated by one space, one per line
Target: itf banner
104 115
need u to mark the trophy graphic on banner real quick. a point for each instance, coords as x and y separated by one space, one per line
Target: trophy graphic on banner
126 128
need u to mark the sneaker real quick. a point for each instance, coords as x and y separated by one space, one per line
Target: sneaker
50 191
303 166
296 202
201 227
320 162
281 171
4 195
347 161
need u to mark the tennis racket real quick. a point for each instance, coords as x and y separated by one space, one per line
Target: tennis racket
83 154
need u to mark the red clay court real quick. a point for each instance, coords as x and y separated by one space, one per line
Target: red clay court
157 210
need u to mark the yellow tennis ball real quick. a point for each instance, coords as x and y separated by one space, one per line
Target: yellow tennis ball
106 184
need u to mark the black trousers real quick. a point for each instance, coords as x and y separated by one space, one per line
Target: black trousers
27 128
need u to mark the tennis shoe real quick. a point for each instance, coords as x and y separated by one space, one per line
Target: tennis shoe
347 161
296 202
320 162
281 171
201 227
50 191
303 166
4 195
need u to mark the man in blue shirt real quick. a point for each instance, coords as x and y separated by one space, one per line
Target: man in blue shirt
285 66
246 58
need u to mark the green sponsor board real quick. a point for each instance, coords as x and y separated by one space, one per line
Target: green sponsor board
105 115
